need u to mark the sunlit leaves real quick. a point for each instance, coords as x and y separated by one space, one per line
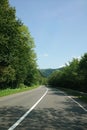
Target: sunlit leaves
73 75
17 56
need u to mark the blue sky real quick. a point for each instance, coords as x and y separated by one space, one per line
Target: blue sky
59 28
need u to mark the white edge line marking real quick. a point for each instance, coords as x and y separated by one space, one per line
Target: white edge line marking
77 103
24 116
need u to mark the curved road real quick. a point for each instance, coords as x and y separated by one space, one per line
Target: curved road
41 109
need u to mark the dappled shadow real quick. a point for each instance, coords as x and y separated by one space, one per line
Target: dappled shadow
69 118
59 92
77 99
52 119
55 91
66 116
74 108
9 115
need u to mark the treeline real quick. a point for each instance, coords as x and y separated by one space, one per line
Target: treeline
47 72
17 56
72 76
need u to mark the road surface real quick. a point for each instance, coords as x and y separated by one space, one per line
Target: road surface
41 109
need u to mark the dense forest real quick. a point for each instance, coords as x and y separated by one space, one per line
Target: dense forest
72 76
18 58
47 72
17 55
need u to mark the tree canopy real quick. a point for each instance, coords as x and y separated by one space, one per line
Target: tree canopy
17 55
73 75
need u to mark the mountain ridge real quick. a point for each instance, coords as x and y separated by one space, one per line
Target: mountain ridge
47 72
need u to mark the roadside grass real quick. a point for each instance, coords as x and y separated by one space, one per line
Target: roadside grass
80 95
21 88
83 98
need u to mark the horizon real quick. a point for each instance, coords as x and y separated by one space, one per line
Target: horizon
59 29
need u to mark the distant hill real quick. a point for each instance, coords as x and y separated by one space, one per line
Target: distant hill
48 72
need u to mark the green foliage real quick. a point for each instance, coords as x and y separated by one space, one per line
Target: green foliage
21 88
73 75
17 56
82 70
48 72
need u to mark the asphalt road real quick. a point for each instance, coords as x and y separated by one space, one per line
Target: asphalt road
51 109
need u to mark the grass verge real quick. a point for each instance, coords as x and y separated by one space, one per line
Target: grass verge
22 88
83 98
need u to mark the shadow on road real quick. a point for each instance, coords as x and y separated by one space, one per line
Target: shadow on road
70 118
67 117
9 115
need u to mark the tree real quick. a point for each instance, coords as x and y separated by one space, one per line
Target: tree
82 70
72 76
67 77
17 56
8 29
